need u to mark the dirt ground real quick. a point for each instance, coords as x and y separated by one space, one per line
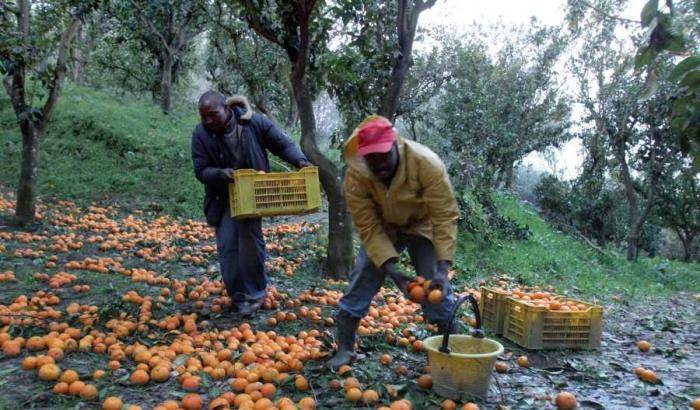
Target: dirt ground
600 379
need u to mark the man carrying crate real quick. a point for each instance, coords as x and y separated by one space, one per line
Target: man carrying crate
231 136
400 197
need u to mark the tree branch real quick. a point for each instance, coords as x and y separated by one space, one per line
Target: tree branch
153 28
181 35
8 8
606 15
251 17
59 71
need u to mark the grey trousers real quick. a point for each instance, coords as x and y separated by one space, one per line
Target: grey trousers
241 248
366 279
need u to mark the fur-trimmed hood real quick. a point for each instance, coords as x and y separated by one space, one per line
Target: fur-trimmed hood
241 102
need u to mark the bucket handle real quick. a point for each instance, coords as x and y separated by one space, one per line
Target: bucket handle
476 332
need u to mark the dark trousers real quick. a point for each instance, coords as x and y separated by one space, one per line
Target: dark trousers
241 248
366 280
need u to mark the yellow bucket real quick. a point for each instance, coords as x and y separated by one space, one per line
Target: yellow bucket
465 372
461 365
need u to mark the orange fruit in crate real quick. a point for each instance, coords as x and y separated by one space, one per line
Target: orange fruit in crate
565 401
470 406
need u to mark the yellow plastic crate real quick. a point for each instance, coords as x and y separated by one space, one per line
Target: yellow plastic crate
537 327
255 194
492 305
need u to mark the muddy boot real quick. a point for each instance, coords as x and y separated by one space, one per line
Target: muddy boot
346 327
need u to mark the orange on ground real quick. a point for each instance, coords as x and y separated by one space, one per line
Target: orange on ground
644 346
565 401
76 387
425 381
385 359
470 406
61 388
370 397
523 361
649 376
49 372
449 405
192 401
140 377
353 394
301 384
112 403
89 392
501 367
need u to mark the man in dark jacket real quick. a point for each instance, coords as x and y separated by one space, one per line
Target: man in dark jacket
231 136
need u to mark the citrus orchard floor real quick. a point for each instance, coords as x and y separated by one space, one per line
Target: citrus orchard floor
129 306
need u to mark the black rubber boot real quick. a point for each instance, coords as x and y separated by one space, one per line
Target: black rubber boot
346 327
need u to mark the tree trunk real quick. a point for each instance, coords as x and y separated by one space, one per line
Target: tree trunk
26 187
292 111
406 22
634 224
77 57
687 241
166 84
509 175
339 253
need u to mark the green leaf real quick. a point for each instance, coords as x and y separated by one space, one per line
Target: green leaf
692 79
644 58
649 11
683 67
697 6
676 44
650 86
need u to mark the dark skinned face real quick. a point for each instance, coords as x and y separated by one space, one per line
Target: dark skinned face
384 165
214 117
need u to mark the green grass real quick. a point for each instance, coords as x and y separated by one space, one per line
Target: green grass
124 150
551 257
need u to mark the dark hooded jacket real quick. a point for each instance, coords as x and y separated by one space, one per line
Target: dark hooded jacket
211 155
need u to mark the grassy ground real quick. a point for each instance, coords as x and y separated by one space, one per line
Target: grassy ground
99 146
555 258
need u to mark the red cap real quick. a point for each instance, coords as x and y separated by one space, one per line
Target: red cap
376 136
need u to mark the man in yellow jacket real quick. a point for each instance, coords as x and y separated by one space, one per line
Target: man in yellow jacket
400 198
